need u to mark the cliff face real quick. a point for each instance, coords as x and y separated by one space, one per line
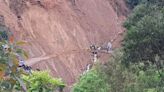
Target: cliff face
60 31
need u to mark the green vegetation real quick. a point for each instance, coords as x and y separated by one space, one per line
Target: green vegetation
15 79
139 65
9 74
93 81
143 44
144 39
115 77
41 81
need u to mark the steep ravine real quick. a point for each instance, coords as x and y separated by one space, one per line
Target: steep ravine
60 31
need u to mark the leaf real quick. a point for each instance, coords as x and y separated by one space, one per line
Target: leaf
22 53
25 54
11 39
12 81
20 43
1 75
19 51
15 61
2 67
14 69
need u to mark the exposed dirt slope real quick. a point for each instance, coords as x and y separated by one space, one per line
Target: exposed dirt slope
60 31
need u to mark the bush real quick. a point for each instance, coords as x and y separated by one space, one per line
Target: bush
9 74
11 79
92 82
41 81
115 77
118 77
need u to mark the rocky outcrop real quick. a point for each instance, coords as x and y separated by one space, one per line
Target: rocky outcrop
60 31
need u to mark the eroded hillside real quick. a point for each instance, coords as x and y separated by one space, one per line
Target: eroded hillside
60 31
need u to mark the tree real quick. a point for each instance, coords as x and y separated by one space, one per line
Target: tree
144 38
144 41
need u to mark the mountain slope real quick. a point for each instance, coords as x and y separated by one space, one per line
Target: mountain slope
61 31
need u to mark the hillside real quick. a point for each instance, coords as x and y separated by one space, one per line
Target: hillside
60 31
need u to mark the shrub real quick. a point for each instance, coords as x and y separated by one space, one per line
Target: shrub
9 73
92 81
41 81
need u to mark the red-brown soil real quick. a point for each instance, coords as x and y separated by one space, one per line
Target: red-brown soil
61 31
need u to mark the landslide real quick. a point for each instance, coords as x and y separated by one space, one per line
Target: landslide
60 31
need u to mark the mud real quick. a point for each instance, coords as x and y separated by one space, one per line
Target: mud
61 31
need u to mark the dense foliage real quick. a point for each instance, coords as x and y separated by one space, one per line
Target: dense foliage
115 77
145 39
41 81
92 81
9 74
